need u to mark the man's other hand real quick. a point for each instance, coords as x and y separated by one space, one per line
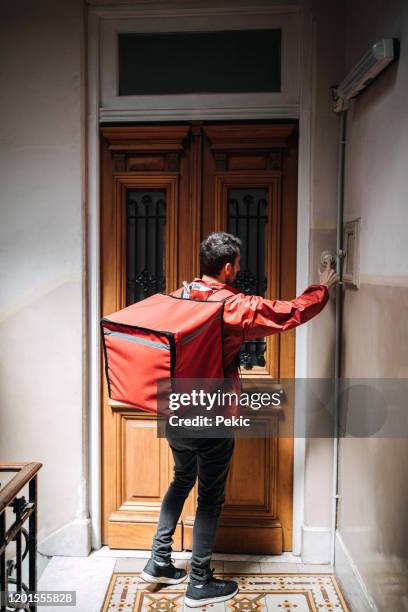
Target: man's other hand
328 276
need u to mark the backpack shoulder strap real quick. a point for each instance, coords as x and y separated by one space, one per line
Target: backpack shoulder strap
220 295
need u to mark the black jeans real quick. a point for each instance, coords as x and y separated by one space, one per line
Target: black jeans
209 459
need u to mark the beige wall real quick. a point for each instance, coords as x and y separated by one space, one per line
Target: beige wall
42 326
373 472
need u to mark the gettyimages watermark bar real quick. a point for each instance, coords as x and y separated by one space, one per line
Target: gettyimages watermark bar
298 408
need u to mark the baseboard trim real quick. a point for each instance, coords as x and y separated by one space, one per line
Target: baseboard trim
70 540
350 579
315 544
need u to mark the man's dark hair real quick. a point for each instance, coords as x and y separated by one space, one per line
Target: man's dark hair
218 249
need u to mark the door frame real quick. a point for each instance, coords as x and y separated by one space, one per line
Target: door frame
302 112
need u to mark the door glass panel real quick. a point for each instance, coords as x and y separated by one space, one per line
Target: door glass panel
145 243
234 61
247 218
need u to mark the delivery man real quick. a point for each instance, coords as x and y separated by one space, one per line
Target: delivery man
246 317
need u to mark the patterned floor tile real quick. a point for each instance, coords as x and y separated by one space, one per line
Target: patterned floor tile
258 592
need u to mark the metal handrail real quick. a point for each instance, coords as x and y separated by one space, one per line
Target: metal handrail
10 497
26 470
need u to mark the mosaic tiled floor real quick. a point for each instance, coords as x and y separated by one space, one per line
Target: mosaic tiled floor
127 592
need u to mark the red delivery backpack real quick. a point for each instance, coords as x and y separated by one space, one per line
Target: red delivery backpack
160 338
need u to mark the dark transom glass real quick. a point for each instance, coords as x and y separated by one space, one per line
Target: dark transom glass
229 61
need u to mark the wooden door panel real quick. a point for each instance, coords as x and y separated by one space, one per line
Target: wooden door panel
199 168
141 476
246 484
142 473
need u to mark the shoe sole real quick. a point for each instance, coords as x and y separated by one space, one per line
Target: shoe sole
162 579
197 603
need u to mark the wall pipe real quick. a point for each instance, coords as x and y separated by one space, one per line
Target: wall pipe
338 325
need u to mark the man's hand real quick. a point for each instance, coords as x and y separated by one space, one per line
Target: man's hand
328 276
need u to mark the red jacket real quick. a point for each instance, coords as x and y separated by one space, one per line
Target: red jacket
247 317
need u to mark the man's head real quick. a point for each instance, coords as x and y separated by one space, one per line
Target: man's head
219 256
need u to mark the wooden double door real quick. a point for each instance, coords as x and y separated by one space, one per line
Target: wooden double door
164 188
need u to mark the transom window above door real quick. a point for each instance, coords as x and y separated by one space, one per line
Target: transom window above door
235 61
211 62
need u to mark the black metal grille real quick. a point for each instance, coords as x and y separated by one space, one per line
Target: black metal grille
145 244
247 218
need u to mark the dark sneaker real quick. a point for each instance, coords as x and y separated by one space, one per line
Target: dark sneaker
166 574
211 591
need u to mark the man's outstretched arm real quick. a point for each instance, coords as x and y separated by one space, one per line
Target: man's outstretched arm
259 317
